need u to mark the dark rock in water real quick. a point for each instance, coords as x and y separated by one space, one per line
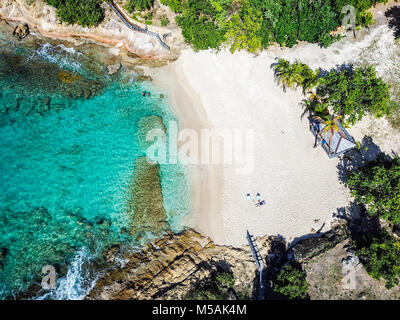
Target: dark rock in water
43 106
142 78
47 101
87 94
39 76
21 31
3 254
112 254
30 293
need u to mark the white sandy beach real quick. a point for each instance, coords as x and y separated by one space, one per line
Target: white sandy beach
223 91
299 184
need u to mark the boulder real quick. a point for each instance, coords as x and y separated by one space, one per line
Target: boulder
113 68
21 31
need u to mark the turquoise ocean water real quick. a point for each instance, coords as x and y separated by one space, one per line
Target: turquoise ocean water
66 164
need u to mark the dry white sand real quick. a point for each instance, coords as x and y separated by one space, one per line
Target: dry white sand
299 184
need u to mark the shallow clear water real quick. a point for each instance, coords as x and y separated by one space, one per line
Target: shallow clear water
66 164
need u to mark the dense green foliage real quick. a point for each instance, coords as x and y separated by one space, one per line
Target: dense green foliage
349 93
139 5
353 93
380 255
291 75
255 24
217 287
377 186
86 13
175 5
243 28
291 282
199 26
164 22
242 24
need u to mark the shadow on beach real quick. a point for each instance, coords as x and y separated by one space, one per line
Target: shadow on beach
393 15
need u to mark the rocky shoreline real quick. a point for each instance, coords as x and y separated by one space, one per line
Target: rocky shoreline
111 33
173 265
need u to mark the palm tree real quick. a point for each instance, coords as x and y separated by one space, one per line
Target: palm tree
288 74
311 80
314 105
331 126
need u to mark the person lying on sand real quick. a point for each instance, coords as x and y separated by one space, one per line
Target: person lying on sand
259 204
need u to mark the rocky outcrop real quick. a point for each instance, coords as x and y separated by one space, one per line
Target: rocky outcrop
306 249
172 265
111 32
113 68
21 31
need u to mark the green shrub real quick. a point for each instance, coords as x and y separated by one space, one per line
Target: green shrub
376 185
199 26
291 282
380 255
255 24
164 22
243 29
355 93
217 287
139 5
175 5
85 13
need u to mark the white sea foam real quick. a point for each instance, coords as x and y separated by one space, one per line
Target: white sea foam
63 56
77 283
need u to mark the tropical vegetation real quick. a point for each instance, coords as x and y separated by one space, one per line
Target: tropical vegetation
353 93
350 93
139 5
256 24
289 75
241 24
216 287
291 282
85 13
380 255
376 186
330 126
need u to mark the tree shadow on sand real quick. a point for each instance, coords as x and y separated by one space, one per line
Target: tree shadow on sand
393 15
354 159
358 220
276 258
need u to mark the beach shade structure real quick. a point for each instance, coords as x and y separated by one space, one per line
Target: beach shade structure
335 141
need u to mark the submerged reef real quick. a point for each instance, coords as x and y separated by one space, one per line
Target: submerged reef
146 202
47 84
